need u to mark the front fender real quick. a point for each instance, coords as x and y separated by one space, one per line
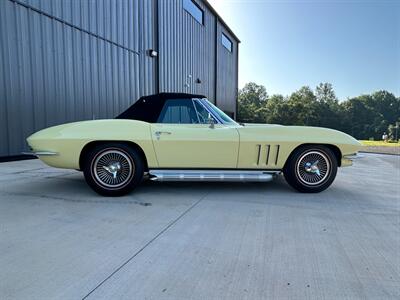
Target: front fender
269 146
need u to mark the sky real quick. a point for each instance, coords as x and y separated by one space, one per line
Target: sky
355 45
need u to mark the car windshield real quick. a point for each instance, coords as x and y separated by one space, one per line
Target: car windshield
223 116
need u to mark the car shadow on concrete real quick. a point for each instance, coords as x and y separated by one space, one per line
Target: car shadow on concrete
71 187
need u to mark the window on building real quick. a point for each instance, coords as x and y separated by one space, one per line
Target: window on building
192 8
226 42
178 111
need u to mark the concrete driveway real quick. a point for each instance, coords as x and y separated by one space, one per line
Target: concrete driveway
59 240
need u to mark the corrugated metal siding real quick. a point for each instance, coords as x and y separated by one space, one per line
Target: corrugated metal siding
190 57
53 72
68 60
114 20
227 70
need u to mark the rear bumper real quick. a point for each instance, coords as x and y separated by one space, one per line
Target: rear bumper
40 153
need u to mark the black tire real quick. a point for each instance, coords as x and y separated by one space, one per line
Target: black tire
113 169
311 169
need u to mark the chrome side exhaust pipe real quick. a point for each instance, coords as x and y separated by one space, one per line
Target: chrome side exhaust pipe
212 175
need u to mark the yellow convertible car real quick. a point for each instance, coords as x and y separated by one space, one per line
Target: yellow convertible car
178 137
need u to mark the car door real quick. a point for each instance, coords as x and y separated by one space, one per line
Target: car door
182 138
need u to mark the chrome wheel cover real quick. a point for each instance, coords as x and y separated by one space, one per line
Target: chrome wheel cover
313 168
112 168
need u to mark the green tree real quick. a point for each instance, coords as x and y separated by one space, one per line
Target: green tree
252 98
368 116
363 117
360 120
394 131
303 108
325 94
276 110
384 103
328 107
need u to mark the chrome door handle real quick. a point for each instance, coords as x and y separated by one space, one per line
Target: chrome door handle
162 132
159 133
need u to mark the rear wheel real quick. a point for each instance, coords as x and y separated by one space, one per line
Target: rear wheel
311 169
113 169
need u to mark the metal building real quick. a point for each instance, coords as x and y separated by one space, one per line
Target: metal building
68 60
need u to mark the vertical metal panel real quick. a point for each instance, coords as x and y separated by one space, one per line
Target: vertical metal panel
11 72
227 70
3 91
187 49
37 73
52 71
147 40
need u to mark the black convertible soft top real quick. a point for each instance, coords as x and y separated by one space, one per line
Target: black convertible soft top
148 108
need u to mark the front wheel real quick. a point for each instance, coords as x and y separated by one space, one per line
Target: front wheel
113 169
311 169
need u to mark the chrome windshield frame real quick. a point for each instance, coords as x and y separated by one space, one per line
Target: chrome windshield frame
208 109
211 110
195 109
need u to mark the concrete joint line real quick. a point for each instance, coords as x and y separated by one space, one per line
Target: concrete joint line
145 246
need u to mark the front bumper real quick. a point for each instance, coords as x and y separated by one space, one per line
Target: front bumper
347 160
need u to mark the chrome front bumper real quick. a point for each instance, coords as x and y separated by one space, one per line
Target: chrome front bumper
353 156
347 160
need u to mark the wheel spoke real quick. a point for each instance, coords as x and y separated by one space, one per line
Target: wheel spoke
313 167
113 168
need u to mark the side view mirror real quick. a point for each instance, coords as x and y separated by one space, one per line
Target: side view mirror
211 121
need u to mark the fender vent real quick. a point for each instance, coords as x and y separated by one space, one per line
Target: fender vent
258 154
267 155
277 154
268 151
